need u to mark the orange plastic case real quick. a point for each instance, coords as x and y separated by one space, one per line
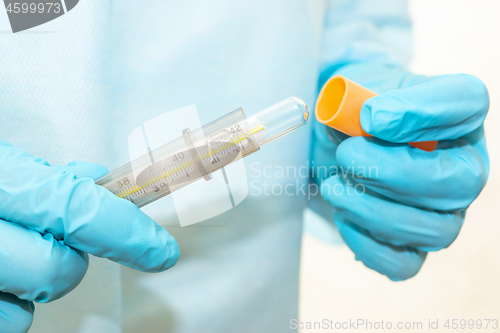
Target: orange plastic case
339 106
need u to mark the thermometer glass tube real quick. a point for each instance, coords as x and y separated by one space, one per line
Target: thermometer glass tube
197 154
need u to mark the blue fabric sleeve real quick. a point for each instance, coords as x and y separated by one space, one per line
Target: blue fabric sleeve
365 31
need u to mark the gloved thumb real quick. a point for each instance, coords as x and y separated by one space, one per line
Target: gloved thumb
442 108
84 169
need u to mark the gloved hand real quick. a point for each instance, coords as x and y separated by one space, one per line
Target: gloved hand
50 218
407 202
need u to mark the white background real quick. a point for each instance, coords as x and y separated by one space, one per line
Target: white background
463 281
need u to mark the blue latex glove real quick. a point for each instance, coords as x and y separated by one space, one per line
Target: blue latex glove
414 201
50 218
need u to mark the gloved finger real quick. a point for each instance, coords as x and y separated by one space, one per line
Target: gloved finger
389 221
443 108
37 267
84 169
397 263
16 316
85 216
444 180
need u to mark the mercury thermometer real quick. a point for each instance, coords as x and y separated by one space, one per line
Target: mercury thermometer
196 154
